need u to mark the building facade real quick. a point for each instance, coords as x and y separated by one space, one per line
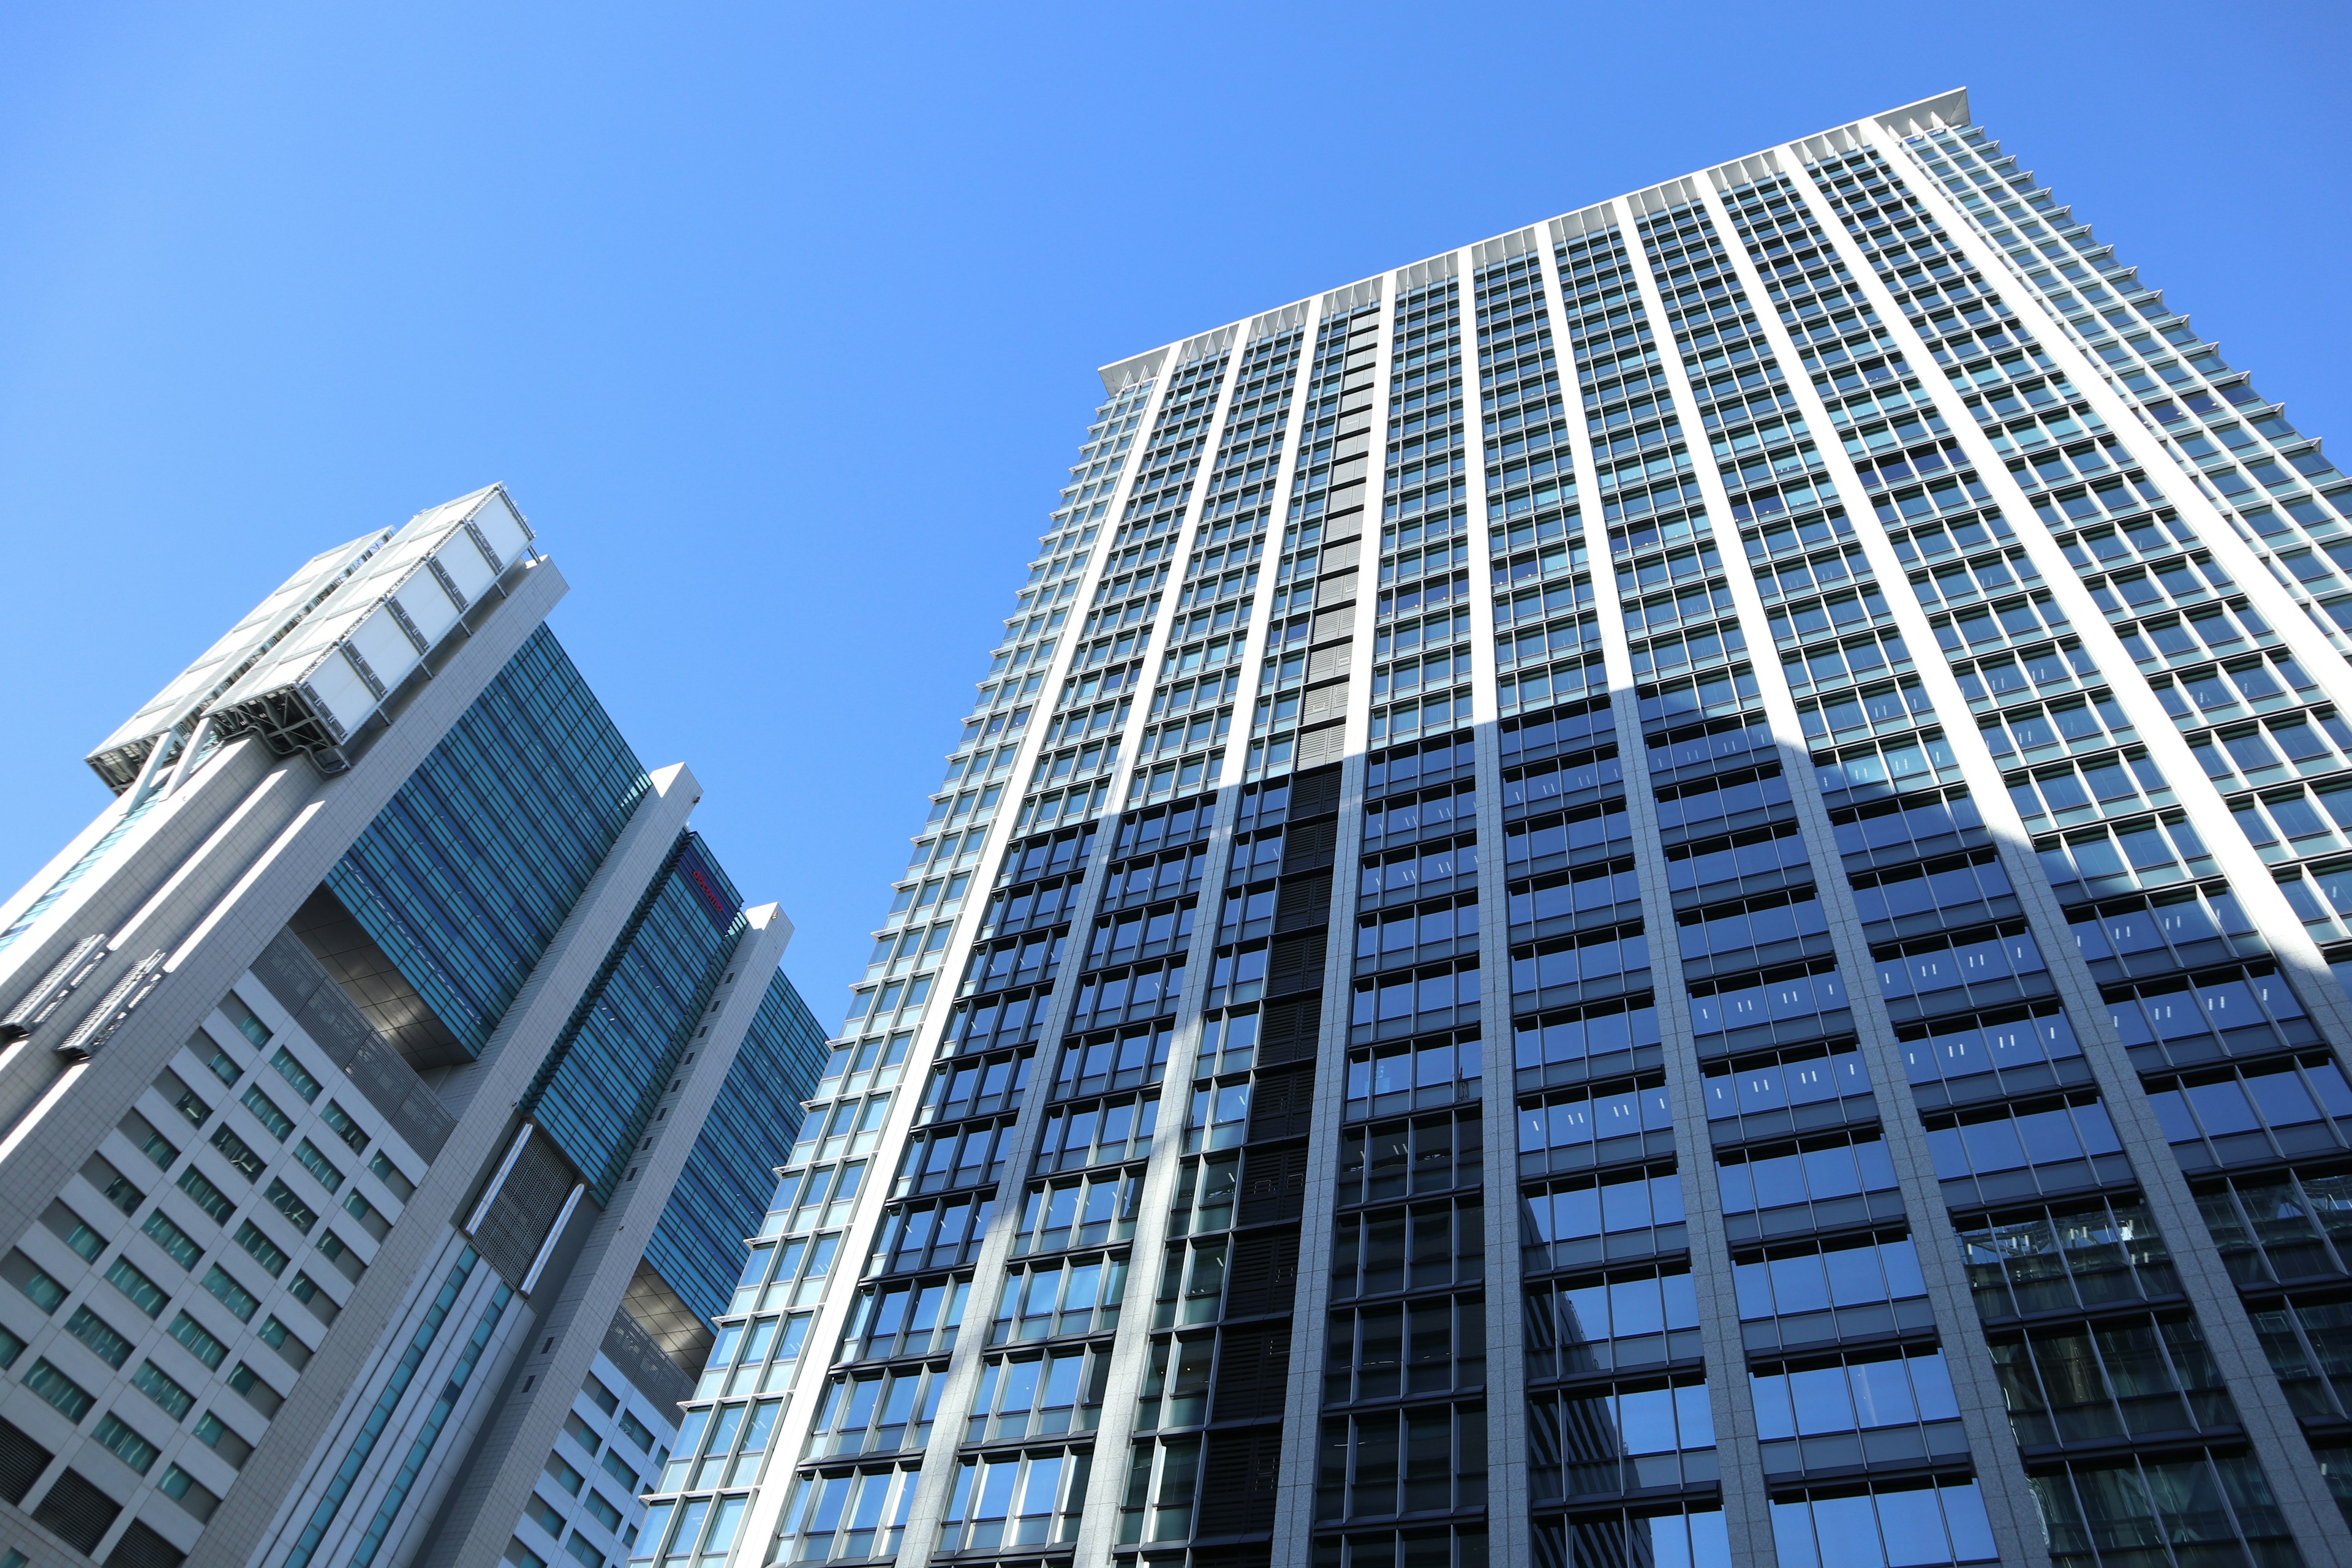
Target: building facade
380 1068
1791 1023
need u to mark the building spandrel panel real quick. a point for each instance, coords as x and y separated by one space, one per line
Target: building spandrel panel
1663 891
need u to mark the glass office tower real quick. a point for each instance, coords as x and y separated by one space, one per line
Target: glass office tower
388 1078
1657 892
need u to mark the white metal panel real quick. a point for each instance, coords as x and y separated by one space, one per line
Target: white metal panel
385 647
428 604
338 694
462 558
502 527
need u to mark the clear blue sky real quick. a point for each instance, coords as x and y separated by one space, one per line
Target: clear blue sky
782 321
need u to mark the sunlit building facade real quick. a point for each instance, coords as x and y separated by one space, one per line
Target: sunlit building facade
1661 891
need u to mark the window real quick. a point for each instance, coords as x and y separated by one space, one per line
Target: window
1098 1132
1021 1500
1415 1248
116 1436
911 1319
1580 1221
1791 1001
1619 1437
143 1292
927 1235
2239 1010
1577 1130
70 1228
2078 1255
199 1341
797 1279
862 1412
2128 1378
1430 930
1562 968
1826 1290
1800 1403
1418 1460
2012 1150
276 1122
237 1152
70 1397
783 1336
640 1437
296 1074
266 1252
839 1514
232 1295
173 1240
234 1009
285 1201
1434 1345
184 1489
1819 1182
1040 1395
1073 1296
1085 1212
94 1332
1405 1075
1397 1159
1124 1059
2309 1346
958 1089
39 1288
1983 962
2002 1040
1143 991
820 1196
1626 1320
156 1384
2228 1115
2203 1498
1687 1537
339 1121
2303 742
1916 1522
1784 1091
208 1197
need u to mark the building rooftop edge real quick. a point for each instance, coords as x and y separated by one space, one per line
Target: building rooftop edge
1122 373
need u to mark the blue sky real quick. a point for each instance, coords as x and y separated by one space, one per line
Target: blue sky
782 321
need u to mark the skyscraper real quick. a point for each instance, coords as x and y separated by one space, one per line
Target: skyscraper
390 1081
1658 892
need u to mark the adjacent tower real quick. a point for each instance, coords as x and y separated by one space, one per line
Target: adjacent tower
1657 892
390 1079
